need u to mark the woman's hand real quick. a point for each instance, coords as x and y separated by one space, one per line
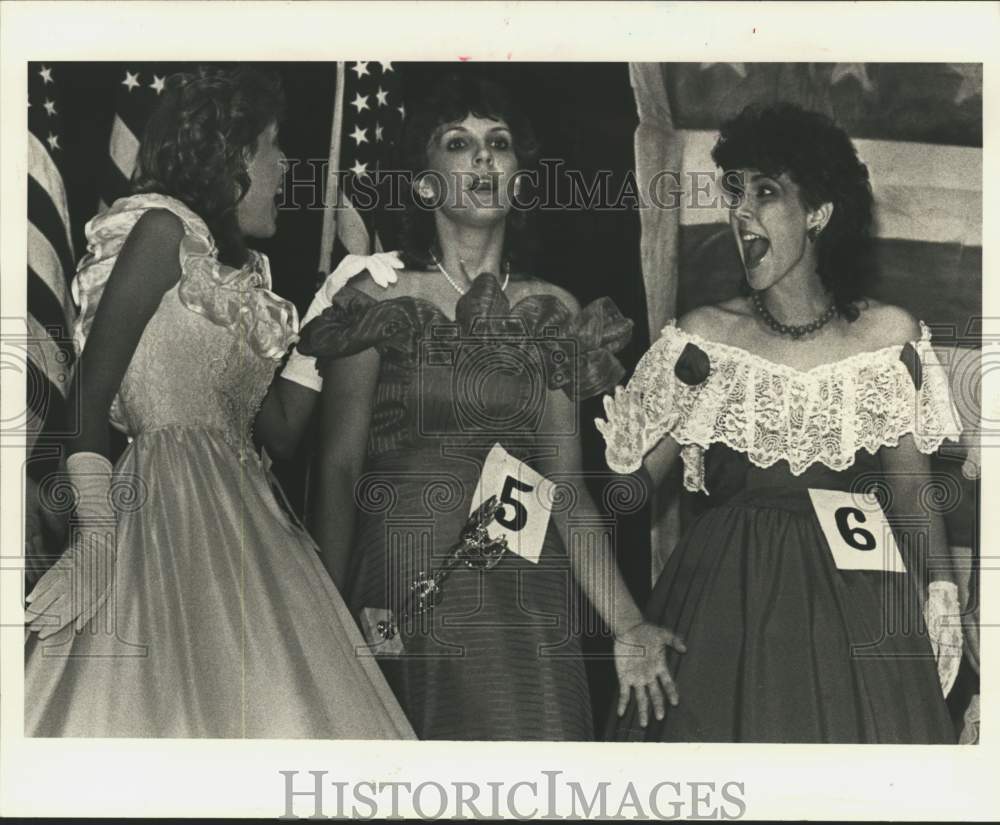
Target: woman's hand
381 267
76 587
641 663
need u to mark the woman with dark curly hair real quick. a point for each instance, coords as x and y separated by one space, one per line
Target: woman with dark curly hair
798 591
455 384
188 605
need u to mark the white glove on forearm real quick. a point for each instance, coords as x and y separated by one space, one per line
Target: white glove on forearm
381 266
942 614
78 584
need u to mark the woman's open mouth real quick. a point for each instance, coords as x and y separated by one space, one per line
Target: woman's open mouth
755 247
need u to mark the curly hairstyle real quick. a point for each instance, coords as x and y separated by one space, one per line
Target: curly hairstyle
820 158
450 99
199 142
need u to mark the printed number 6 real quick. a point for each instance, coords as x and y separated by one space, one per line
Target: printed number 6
520 514
856 537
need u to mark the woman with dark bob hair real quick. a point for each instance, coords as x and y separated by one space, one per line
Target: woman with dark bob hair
803 413
188 605
457 384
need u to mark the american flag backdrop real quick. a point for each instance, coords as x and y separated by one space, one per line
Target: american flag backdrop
367 123
51 259
918 127
137 91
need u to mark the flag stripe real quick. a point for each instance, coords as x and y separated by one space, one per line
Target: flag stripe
51 361
42 258
44 171
352 231
47 310
42 212
124 147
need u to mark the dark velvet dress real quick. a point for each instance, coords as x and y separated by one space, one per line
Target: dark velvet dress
499 657
783 644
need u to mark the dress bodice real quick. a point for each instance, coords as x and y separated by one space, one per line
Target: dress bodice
208 354
483 376
789 426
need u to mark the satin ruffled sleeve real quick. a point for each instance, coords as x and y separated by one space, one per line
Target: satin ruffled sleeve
580 350
355 322
239 299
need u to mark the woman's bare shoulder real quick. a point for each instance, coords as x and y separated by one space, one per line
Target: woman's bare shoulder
715 321
406 285
525 287
884 325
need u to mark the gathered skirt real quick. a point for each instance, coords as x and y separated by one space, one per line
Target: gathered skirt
499 658
223 622
782 646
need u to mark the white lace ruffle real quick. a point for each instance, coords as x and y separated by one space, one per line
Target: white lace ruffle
773 412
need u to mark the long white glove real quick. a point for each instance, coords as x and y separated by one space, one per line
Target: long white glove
381 266
76 587
942 614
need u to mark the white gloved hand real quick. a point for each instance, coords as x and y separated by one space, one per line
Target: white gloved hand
942 614
381 267
76 587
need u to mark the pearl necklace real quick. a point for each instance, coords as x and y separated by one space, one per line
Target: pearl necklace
794 331
457 287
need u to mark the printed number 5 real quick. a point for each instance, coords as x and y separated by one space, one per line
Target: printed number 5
856 537
520 514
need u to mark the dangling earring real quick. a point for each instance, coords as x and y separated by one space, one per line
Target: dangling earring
814 233
425 190
517 186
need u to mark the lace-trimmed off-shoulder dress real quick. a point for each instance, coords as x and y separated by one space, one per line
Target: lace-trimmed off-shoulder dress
785 643
223 622
499 657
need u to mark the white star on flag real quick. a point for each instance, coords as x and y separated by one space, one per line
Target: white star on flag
382 96
360 68
386 66
739 68
131 80
842 71
378 133
50 108
359 168
402 110
360 135
53 141
360 102
158 84
46 74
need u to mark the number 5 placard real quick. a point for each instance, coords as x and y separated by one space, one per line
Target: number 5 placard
857 531
526 497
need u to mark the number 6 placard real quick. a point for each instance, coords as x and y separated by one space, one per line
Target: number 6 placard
525 495
857 531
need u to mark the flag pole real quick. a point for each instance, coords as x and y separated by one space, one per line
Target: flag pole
332 193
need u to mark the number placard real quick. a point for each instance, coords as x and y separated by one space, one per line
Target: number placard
526 497
857 531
